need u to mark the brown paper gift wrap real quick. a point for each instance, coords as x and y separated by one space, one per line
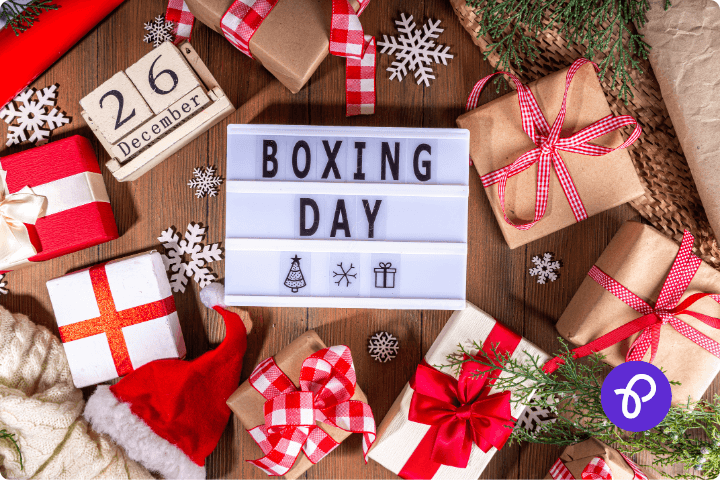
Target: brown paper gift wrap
639 258
291 42
497 139
576 458
247 403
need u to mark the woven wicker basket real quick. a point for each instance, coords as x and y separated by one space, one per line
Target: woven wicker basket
671 202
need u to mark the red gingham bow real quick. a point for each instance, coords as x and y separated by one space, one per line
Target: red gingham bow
327 382
665 312
596 469
347 40
548 145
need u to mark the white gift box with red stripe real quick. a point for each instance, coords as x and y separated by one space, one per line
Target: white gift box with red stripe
115 317
398 437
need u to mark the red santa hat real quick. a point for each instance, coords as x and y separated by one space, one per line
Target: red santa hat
169 414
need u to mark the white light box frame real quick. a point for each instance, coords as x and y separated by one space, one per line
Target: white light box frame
346 217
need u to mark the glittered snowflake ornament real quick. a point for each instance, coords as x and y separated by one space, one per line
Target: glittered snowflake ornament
415 50
383 347
200 256
159 31
25 115
544 268
205 182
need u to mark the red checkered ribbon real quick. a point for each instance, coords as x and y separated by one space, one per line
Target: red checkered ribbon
347 40
666 311
327 383
596 469
549 144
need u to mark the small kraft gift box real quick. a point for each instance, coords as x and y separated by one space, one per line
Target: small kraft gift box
563 124
647 299
594 459
446 424
52 202
291 38
299 405
115 317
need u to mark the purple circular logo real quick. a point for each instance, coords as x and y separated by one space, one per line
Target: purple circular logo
636 396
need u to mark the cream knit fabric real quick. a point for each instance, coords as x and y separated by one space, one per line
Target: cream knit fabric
42 407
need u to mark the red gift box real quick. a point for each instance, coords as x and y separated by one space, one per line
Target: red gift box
69 165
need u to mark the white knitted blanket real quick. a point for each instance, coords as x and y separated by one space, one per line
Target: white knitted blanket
42 407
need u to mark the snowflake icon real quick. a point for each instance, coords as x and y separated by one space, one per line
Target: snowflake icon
416 50
344 274
159 30
383 347
32 116
200 256
3 285
544 268
205 182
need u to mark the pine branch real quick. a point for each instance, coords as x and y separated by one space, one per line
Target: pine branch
5 435
604 27
20 17
689 435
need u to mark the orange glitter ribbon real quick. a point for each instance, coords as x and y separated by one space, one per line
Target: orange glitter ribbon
111 322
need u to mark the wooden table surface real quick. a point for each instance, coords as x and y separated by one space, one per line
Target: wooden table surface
497 277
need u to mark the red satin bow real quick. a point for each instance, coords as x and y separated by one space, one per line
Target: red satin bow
461 412
548 145
665 312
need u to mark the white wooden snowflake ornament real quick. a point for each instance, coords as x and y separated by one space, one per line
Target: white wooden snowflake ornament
200 257
415 50
544 268
534 416
3 285
205 182
159 31
32 116
383 347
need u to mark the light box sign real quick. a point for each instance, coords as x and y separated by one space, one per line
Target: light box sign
349 217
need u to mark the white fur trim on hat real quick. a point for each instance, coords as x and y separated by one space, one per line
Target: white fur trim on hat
108 415
213 295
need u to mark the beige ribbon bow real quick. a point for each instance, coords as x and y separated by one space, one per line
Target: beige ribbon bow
17 209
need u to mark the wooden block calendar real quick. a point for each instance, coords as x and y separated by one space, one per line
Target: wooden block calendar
346 217
154 108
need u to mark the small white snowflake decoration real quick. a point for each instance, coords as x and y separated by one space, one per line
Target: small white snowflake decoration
159 31
544 268
205 182
200 257
24 115
415 50
383 347
3 285
534 416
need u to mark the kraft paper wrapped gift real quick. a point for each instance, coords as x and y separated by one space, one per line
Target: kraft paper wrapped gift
576 458
639 258
291 42
247 402
497 139
115 317
401 443
63 180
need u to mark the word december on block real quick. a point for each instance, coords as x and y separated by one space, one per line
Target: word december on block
346 217
154 108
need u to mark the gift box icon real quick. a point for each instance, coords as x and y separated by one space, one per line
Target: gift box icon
385 276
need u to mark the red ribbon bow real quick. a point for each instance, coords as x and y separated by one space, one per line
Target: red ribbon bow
549 144
327 383
461 412
665 312
596 469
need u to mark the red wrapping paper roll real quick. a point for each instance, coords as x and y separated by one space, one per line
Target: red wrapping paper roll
54 33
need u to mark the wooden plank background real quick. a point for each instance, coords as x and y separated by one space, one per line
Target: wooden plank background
497 280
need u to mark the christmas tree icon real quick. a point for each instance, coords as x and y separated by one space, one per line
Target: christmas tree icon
295 279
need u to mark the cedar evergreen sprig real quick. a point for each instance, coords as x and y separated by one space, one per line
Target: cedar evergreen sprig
688 436
5 435
20 16
604 27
